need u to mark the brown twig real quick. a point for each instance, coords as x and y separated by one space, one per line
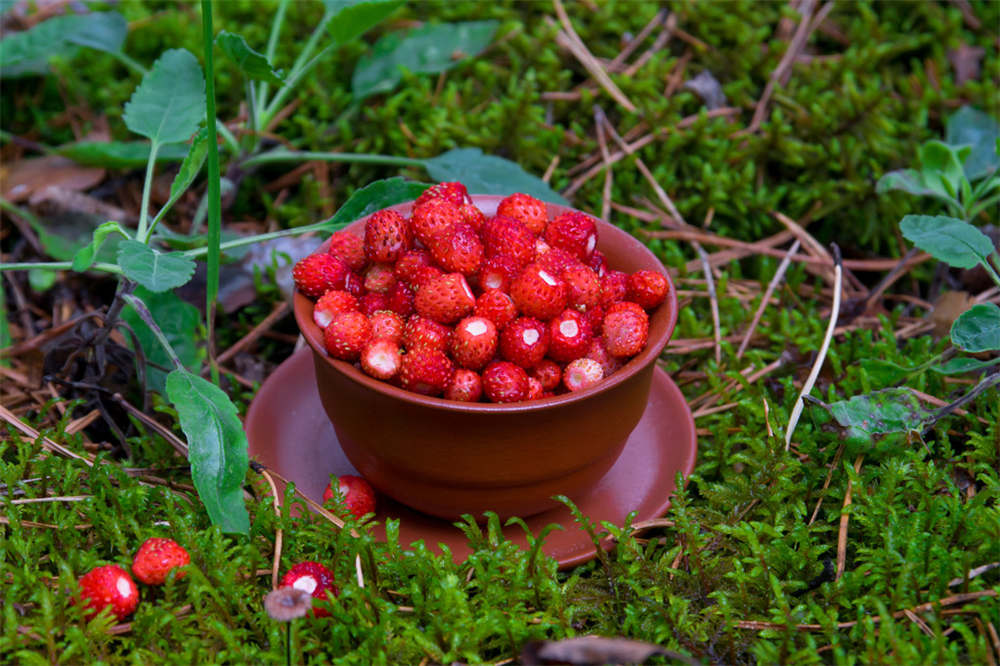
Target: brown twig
844 518
279 533
47 443
772 285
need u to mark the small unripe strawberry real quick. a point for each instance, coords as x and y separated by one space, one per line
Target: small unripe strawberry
108 586
314 579
158 557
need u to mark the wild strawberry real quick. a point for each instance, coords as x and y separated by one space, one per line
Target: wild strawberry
583 287
505 382
372 302
527 209
387 235
626 329
582 374
647 288
474 342
386 324
548 373
354 285
319 273
348 248
379 278
332 303
595 319
497 306
456 193
557 260
457 250
445 299
425 274
409 263
614 284
314 579
503 235
472 215
347 335
401 300
108 586
598 352
434 217
535 389
574 232
598 263
426 371
357 494
422 332
158 557
381 358
538 293
497 272
541 247
524 341
465 386
569 336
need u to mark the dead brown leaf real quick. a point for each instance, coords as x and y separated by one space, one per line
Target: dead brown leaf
23 178
947 307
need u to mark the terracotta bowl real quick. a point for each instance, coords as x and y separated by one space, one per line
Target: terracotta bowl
449 458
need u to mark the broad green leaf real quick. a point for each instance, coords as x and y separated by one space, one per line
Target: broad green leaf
939 160
947 239
169 104
154 270
373 197
41 279
103 31
962 364
880 412
915 183
217 448
28 52
87 255
180 323
253 64
349 19
885 373
969 126
120 154
430 49
977 329
488 174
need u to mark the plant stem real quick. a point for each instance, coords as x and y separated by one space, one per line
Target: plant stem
147 188
258 238
282 155
288 644
147 318
129 62
990 270
59 266
291 84
214 203
228 137
272 46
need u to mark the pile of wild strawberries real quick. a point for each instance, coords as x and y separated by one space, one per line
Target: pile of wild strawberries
451 303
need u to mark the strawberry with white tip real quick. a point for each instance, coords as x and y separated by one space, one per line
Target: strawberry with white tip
582 374
315 580
357 494
111 587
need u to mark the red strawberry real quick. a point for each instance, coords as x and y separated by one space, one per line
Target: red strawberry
319 273
557 260
379 278
347 335
387 236
598 263
401 300
358 495
535 390
548 373
422 332
314 579
372 302
626 329
474 342
465 386
456 193
502 235
434 217
505 382
425 370
614 284
538 293
348 248
524 341
158 557
527 209
574 232
354 285
647 288
598 352
497 306
582 373
381 358
583 287
472 215
108 586
409 265
386 324
569 336
445 299
595 318
457 250
425 274
497 272
333 303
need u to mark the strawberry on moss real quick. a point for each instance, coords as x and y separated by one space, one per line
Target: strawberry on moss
156 558
314 579
108 586
357 494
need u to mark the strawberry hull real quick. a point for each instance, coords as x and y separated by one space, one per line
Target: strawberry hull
448 458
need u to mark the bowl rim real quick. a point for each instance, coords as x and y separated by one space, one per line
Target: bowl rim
313 335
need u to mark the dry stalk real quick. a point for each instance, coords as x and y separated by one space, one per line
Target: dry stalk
772 285
844 518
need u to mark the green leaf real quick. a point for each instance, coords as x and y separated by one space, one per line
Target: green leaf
120 154
41 279
373 197
154 270
968 126
885 373
430 49
169 104
939 160
947 239
977 329
29 52
488 174
5 337
217 448
349 19
253 64
963 364
179 321
916 183
103 31
87 255
189 170
880 412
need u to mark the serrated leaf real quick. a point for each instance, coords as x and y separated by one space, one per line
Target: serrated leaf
963 364
252 63
154 270
28 52
217 448
120 154
881 412
86 255
977 329
430 49
488 174
169 104
373 197
349 19
969 126
180 322
947 239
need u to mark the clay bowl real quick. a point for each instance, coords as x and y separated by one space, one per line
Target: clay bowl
447 458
